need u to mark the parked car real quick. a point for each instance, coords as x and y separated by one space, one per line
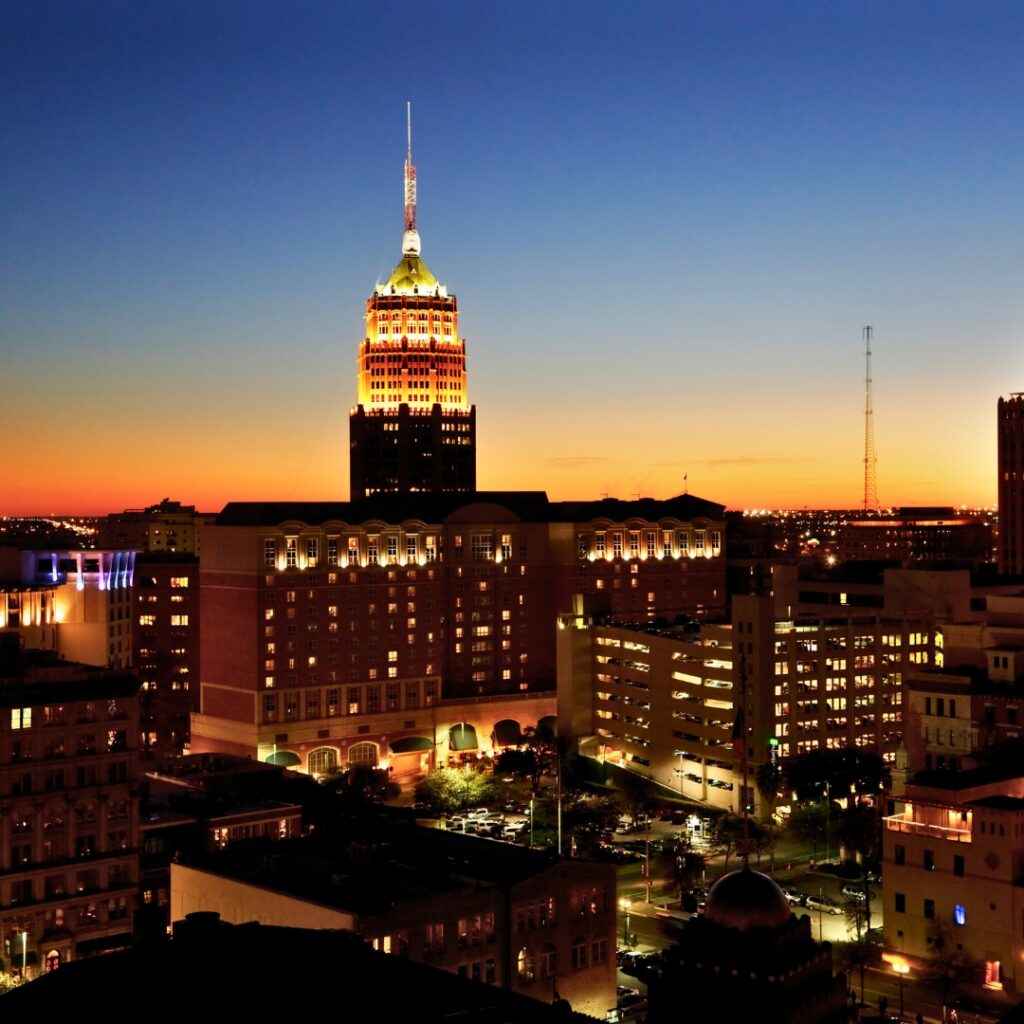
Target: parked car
852 891
622 991
795 898
630 1006
824 903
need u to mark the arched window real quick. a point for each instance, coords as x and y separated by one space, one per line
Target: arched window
52 961
524 965
363 753
322 760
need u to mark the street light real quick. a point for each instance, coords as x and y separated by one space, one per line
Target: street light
625 904
902 969
828 816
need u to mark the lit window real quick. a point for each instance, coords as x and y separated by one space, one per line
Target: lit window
21 718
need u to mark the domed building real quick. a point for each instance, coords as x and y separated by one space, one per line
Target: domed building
748 958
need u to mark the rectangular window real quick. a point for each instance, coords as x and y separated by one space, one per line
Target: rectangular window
958 865
900 904
270 553
21 718
291 552
929 909
179 620
929 860
179 582
312 552
899 855
332 550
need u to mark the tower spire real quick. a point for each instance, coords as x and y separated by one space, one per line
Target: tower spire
411 238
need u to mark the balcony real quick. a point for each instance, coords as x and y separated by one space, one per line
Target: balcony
898 823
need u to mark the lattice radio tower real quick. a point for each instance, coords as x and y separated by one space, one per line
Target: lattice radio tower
870 471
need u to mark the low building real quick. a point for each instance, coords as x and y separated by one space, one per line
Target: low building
747 957
507 916
952 860
77 603
167 527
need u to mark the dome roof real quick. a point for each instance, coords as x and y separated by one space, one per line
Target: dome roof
410 277
746 899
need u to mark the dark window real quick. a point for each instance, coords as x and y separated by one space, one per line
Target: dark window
901 903
958 865
899 854
929 908
929 860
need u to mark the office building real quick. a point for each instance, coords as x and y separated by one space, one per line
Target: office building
167 527
664 700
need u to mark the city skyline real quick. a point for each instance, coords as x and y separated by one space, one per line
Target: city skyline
665 232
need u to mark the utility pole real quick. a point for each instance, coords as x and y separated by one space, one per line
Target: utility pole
870 461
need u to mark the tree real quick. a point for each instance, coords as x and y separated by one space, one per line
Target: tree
361 784
769 785
809 822
837 772
685 865
861 954
860 831
638 793
524 763
452 789
947 967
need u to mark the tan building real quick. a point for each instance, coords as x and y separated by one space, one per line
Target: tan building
953 853
505 916
167 527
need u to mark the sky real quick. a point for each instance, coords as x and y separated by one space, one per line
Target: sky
666 225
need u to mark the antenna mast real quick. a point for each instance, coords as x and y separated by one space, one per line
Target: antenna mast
870 473
410 174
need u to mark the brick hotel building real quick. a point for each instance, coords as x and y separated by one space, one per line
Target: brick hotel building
331 631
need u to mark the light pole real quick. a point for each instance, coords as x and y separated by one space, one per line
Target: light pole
24 945
828 817
625 904
902 969
531 822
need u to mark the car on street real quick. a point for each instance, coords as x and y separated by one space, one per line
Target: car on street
631 1006
793 897
825 904
852 891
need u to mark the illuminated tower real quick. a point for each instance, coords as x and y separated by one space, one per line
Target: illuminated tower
413 428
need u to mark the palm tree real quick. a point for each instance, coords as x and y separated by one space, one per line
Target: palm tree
769 785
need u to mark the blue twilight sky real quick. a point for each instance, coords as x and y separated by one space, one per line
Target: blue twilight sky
666 225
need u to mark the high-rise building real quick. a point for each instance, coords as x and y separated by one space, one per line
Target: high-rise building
413 428
1011 483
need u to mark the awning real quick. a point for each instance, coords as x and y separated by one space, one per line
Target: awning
284 759
507 733
547 728
462 737
411 744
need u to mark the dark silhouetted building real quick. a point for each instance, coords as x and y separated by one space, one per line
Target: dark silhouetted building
747 958
1010 424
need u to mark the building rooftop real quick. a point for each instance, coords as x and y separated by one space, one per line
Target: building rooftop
41 677
265 972
378 868
440 507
